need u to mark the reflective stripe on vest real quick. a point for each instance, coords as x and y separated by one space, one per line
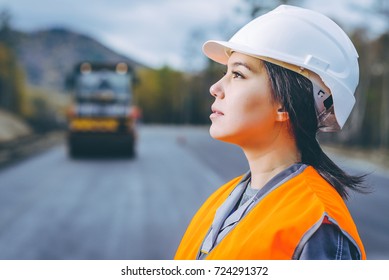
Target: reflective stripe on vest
278 226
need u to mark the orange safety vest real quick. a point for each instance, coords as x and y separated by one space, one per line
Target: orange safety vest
279 224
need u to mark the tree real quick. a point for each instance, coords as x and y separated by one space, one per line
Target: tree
369 123
12 80
161 95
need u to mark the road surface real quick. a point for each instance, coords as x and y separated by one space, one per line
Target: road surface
54 207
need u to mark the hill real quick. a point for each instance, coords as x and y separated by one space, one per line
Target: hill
48 56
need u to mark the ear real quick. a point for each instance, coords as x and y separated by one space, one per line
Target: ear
282 115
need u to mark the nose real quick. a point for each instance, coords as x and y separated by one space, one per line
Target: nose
216 90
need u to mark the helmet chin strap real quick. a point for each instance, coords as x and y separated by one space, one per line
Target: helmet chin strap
324 106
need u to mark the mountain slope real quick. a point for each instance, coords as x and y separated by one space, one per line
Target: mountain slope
48 56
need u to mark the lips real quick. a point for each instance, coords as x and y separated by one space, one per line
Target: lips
216 113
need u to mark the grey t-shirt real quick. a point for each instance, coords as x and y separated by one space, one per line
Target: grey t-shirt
248 194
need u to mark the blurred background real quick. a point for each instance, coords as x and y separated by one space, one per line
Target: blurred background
104 116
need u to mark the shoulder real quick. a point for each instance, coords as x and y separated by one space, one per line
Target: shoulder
311 188
321 201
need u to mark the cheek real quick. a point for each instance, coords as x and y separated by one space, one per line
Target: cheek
256 111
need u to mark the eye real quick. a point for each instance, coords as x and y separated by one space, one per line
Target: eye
237 75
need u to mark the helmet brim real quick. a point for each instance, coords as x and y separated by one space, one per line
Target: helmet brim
220 51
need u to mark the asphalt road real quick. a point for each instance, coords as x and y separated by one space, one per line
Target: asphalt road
54 207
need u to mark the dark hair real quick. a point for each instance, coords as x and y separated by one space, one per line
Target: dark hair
294 92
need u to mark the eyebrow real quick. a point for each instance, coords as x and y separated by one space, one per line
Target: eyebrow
238 63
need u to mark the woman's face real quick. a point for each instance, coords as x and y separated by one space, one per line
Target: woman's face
243 112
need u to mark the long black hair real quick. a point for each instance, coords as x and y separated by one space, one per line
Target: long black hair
294 92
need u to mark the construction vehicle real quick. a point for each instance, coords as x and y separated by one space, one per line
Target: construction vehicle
101 117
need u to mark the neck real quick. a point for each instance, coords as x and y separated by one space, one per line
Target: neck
267 162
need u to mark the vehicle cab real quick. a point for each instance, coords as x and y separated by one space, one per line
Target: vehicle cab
102 117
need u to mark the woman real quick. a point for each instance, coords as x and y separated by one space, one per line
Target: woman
289 74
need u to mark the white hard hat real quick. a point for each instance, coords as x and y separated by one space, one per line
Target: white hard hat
306 42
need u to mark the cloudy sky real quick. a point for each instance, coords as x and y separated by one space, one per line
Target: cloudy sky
155 32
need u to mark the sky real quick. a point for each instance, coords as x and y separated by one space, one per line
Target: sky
159 32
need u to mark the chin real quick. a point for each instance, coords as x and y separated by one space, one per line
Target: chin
219 133
215 132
